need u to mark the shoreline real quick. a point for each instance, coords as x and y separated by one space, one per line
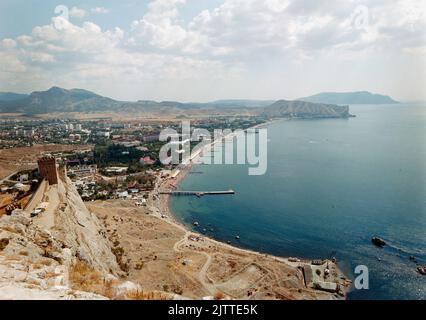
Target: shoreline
162 204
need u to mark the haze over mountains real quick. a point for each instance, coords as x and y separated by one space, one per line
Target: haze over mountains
78 100
360 97
303 109
11 96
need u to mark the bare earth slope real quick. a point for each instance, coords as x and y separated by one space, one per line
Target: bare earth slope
160 254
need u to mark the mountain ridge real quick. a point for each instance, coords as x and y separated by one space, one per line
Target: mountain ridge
355 97
12 96
58 99
303 109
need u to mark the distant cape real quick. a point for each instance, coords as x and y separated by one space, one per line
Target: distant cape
343 98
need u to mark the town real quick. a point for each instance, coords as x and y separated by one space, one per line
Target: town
105 159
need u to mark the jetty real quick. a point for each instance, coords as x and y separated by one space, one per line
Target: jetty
198 193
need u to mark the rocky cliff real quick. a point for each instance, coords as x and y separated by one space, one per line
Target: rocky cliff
79 230
33 264
62 255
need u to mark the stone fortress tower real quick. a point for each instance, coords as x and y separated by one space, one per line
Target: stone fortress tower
48 170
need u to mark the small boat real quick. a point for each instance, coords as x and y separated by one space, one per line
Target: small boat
378 242
237 237
421 270
196 224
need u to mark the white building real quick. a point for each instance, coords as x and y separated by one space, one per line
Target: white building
83 170
105 134
23 178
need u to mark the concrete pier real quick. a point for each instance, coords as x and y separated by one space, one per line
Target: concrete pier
198 193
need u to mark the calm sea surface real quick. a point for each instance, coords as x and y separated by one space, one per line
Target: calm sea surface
330 186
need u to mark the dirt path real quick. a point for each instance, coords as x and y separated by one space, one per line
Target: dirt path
47 219
202 274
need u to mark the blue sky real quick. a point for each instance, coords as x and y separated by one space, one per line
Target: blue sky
38 12
200 50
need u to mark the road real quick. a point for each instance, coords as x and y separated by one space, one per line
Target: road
202 274
8 177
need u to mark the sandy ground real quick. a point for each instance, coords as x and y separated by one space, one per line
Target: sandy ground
160 254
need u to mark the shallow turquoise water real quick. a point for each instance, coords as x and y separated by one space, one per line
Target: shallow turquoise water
330 186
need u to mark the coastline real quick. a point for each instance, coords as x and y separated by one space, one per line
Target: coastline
161 204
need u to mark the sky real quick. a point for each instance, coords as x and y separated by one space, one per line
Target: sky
204 50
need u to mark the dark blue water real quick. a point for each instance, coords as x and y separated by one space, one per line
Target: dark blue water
330 186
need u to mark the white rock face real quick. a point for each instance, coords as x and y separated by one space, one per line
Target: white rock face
79 230
126 287
34 262
25 271
36 256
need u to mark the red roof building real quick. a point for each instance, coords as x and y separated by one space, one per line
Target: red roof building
146 161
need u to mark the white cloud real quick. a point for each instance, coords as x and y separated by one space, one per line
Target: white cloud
10 63
8 43
100 10
87 56
41 57
242 29
77 13
240 48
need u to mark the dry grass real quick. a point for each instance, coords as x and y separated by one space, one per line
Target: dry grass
85 278
119 256
219 295
150 295
10 229
13 257
3 243
46 262
50 275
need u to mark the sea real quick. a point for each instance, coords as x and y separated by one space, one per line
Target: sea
330 186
